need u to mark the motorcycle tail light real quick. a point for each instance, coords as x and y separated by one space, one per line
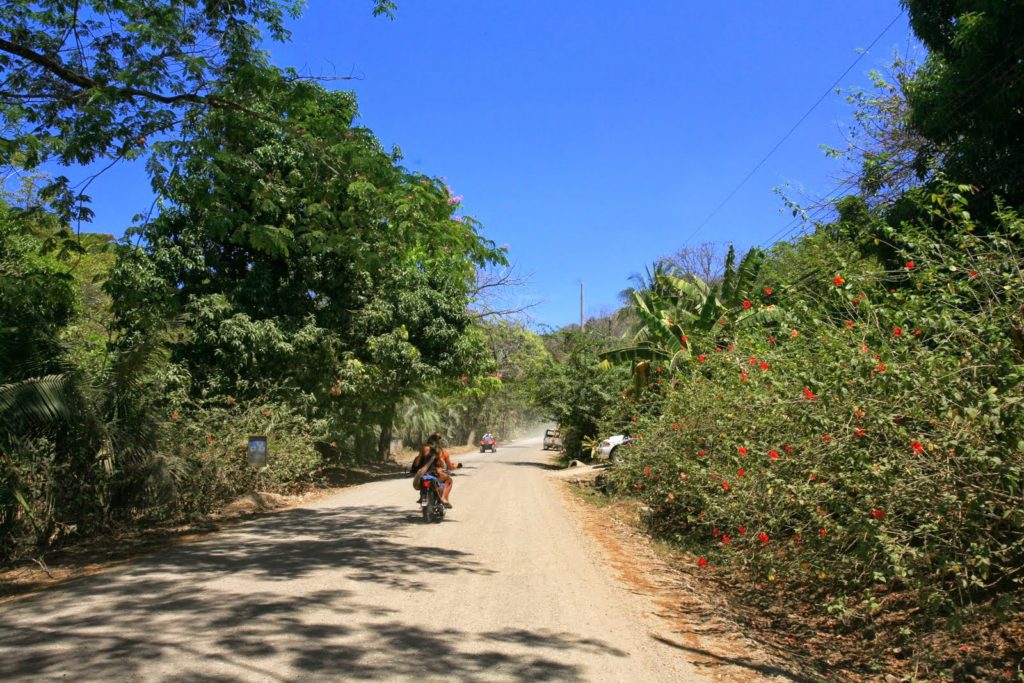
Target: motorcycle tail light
425 483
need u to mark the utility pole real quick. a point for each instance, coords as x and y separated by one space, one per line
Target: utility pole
581 305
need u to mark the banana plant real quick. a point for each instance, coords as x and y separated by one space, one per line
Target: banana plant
671 307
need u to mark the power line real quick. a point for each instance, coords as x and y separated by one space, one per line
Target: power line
785 137
802 218
958 111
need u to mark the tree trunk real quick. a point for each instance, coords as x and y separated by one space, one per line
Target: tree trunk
386 430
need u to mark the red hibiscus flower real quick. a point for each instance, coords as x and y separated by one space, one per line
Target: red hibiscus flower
725 486
702 562
743 377
741 450
741 529
715 532
768 291
917 332
822 532
771 340
740 472
210 439
774 455
764 365
752 361
763 537
897 332
910 265
746 304
838 281
702 358
849 323
917 446
683 339
700 454
725 538
878 513
880 367
826 437
787 448
809 394
972 274
859 431
729 346
675 426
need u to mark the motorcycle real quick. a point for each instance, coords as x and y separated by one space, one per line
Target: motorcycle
488 443
430 499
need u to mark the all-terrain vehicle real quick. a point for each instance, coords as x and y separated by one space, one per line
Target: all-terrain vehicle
488 443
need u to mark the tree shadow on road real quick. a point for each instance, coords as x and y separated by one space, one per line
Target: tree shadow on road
716 660
182 615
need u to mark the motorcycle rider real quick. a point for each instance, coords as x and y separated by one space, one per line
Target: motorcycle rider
442 462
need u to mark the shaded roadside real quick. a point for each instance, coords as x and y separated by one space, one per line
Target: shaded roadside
89 555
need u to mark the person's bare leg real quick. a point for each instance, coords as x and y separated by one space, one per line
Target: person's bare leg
447 490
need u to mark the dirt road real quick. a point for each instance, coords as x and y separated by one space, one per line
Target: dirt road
357 587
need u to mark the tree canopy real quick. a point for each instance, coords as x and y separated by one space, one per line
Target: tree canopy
969 96
88 79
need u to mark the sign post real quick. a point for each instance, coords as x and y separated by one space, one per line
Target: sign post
258 455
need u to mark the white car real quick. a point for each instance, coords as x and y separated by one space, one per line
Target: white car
609 447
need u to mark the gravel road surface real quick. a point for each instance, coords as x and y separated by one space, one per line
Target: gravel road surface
356 587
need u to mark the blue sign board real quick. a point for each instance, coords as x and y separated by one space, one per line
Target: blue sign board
258 450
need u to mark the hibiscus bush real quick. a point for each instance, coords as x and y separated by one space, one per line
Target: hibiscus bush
868 436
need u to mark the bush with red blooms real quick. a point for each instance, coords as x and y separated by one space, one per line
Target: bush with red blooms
870 459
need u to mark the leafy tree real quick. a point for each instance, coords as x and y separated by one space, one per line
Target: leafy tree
969 95
37 296
306 260
89 79
576 392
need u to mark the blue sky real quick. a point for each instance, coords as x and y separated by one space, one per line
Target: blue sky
592 137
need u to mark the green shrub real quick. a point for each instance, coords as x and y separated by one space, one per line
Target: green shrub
208 442
871 436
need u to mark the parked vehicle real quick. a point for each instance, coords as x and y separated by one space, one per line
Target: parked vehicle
609 448
552 440
430 499
488 443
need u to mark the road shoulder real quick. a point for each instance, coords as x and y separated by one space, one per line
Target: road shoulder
681 612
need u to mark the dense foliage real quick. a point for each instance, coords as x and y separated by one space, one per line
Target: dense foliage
872 435
292 280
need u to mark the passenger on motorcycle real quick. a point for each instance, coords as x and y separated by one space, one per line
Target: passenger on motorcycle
442 462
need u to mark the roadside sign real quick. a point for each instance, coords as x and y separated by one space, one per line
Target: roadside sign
258 450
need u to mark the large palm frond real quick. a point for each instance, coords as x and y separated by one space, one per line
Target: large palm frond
35 404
